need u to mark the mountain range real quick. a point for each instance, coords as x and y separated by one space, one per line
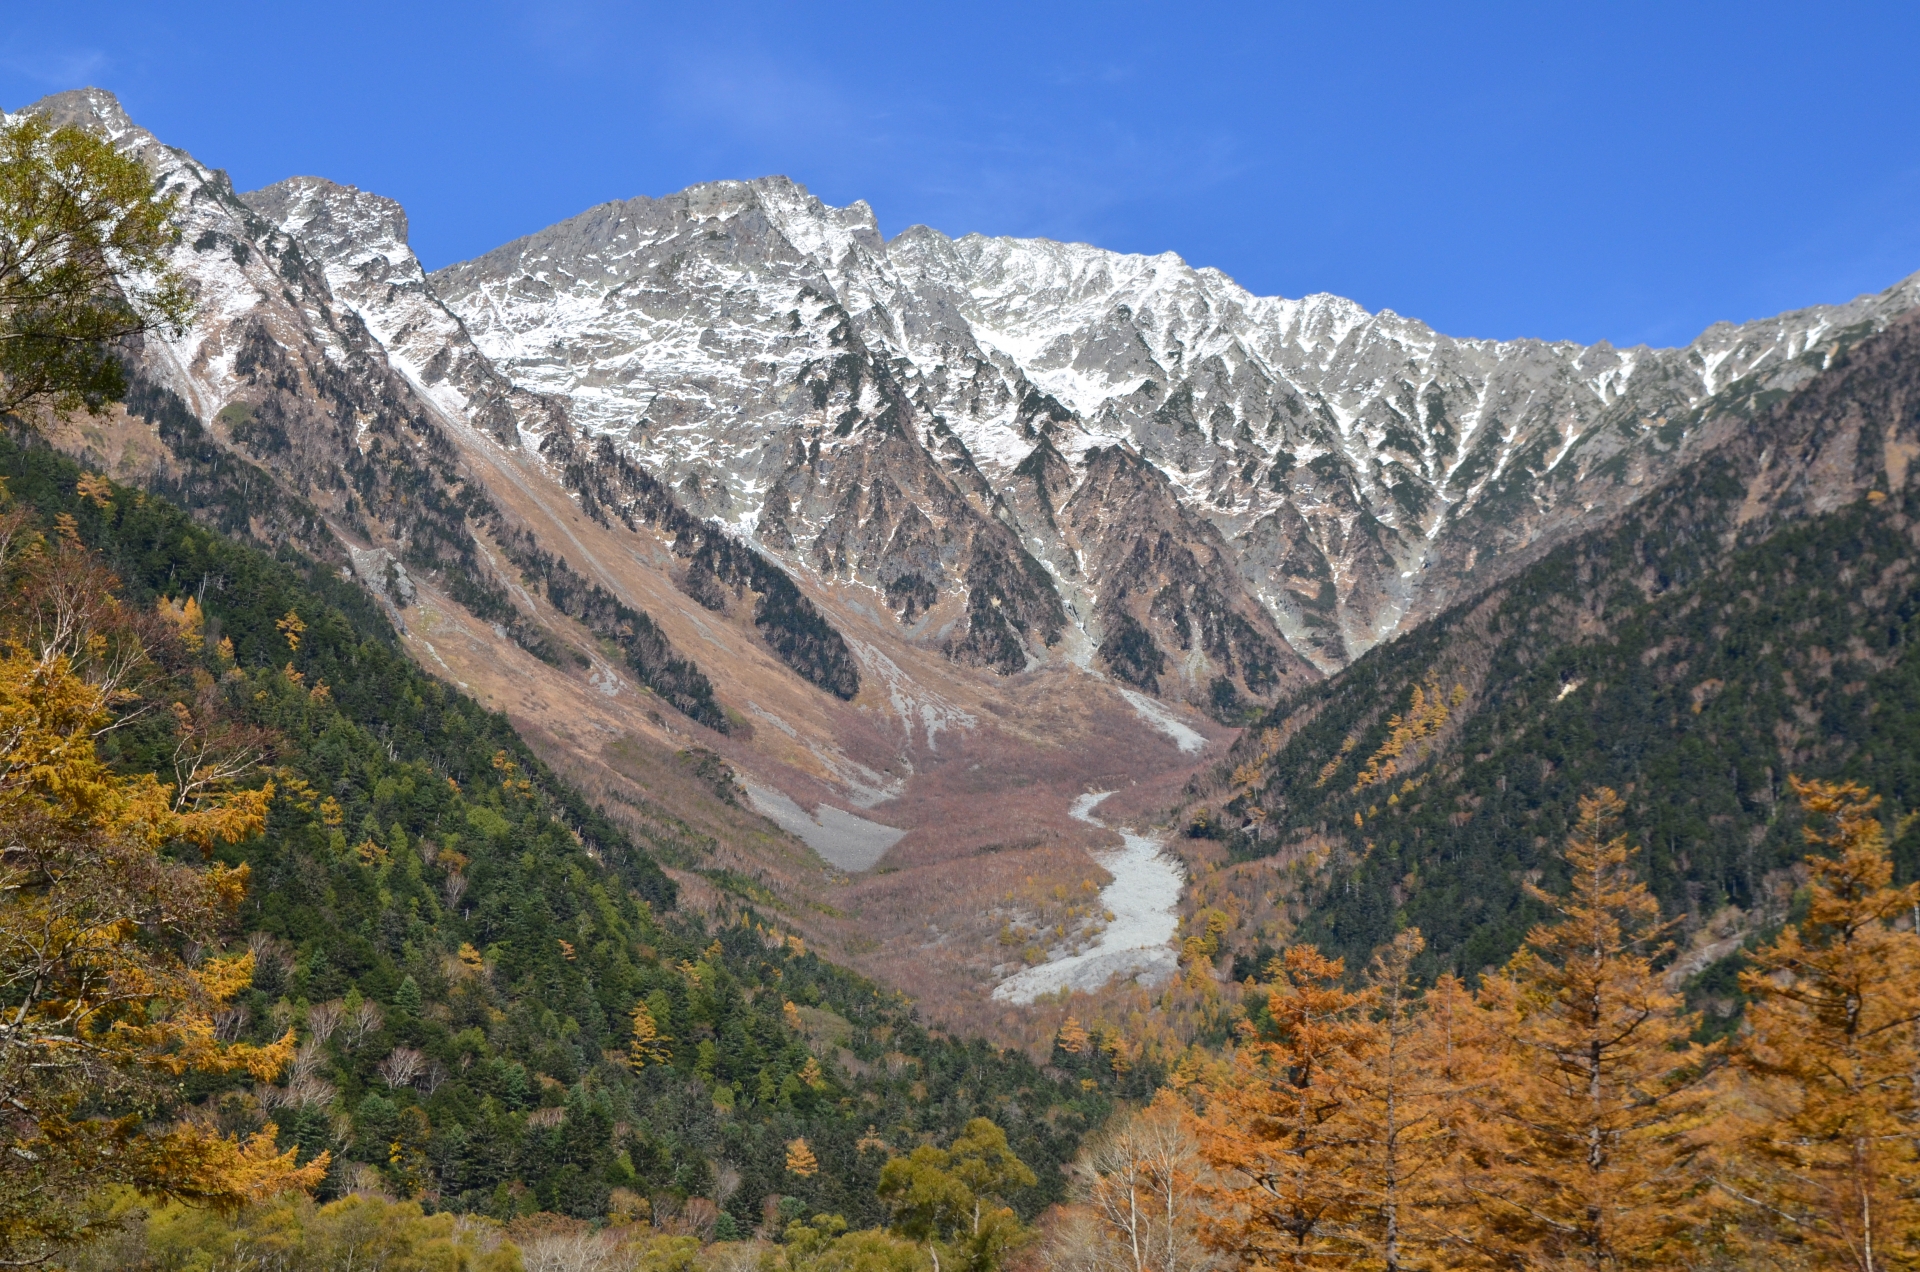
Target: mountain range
744 513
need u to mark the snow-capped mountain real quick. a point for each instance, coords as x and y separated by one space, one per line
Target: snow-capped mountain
1013 454
729 501
1348 472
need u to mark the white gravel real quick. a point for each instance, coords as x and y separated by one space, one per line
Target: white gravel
852 843
1144 899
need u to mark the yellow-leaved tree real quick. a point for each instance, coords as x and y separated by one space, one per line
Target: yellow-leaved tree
1826 1161
1583 1133
110 978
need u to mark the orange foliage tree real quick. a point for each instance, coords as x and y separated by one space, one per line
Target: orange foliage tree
1332 1127
1421 1054
108 980
1583 1132
1272 1122
1825 1156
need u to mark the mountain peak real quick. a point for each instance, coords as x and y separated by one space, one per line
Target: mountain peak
330 216
94 109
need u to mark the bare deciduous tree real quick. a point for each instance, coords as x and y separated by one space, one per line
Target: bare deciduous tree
363 1021
323 1019
401 1067
1140 1211
580 1250
231 1022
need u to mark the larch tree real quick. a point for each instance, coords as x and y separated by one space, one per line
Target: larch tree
84 246
1585 1128
1273 1128
110 976
1399 1086
1826 1153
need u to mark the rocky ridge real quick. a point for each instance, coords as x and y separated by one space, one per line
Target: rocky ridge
728 482
1361 469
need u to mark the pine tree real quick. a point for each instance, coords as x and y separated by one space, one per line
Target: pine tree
1582 1133
1826 1156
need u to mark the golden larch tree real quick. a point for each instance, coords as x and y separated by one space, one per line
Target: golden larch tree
104 1005
1584 1129
800 1159
1399 1086
647 1045
1272 1122
1826 1122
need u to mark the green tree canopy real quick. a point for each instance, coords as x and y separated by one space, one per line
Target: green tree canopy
955 1194
84 241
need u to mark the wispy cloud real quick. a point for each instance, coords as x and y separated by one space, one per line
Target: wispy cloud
763 99
54 69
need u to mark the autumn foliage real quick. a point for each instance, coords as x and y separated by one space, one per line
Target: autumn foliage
111 915
1822 1143
1560 1114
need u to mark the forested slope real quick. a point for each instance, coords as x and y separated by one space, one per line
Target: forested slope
1755 617
462 941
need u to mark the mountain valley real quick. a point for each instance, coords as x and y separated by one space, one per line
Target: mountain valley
837 569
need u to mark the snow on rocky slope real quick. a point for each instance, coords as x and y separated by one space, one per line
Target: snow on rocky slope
1021 451
946 479
1355 470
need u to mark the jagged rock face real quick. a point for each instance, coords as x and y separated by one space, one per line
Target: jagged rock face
278 370
360 242
786 370
282 365
780 419
1021 451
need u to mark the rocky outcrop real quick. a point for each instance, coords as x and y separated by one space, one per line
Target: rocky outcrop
1170 601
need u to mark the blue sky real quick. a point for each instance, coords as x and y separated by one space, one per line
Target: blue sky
1629 171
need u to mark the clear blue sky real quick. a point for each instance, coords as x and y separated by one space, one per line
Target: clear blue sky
1622 171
